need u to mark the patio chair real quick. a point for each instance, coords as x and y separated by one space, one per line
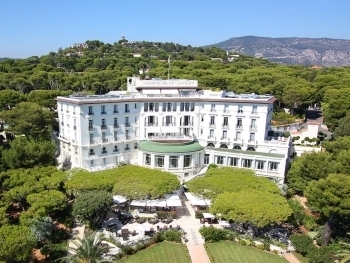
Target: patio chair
178 227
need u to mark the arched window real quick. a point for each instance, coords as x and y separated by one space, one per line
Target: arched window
237 147
223 146
210 145
250 148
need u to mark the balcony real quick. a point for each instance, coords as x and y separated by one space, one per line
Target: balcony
239 127
116 150
239 111
74 127
127 149
127 111
211 125
127 137
63 138
211 137
237 139
127 124
212 110
254 112
252 127
115 111
103 152
150 124
187 123
92 142
104 140
225 126
170 137
103 112
91 153
103 127
115 139
62 123
90 113
224 138
116 126
168 124
92 128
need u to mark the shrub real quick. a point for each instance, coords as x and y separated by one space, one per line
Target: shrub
199 215
128 250
266 246
309 222
211 234
260 246
212 166
157 238
242 242
286 134
172 236
301 243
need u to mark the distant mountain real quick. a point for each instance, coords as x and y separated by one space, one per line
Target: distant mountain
292 50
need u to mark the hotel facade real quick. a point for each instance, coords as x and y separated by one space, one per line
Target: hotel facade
172 125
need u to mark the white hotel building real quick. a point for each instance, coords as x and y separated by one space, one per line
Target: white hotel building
172 125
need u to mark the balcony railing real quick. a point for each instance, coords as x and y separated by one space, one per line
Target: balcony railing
92 142
116 126
187 123
225 126
104 140
237 139
149 124
115 150
170 137
103 152
127 124
168 124
127 111
212 125
224 138
127 137
90 113
115 139
252 127
212 110
254 112
239 126
91 153
103 112
115 111
211 137
91 128
103 127
239 111
74 127
127 149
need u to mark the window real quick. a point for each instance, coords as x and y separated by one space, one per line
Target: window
115 108
91 152
224 134
212 107
103 109
187 106
212 120
239 123
115 149
240 109
225 121
104 161
226 108
201 131
198 159
127 108
232 161
127 134
116 159
202 118
145 106
174 106
159 160
255 109
135 145
219 159
91 126
202 105
187 160
260 165
103 122
104 150
127 124
103 137
135 105
273 166
182 106
147 159
174 162
91 112
92 163
115 122
192 106
211 134
91 138
127 148
206 158
247 163
238 136
252 137
253 124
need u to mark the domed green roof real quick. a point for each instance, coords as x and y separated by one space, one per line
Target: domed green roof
163 147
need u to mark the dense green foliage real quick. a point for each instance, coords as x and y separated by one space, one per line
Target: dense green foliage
91 206
301 243
212 234
17 243
133 182
228 179
258 207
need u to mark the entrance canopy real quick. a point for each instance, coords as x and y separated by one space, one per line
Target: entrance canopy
118 199
173 200
197 201
142 203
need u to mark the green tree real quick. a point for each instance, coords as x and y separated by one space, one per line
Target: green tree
89 249
29 119
46 202
16 242
301 243
258 207
330 197
91 206
344 253
27 154
9 98
343 128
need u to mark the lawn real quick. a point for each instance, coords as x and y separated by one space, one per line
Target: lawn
226 251
160 253
300 257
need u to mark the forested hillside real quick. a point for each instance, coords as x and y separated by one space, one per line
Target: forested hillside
98 67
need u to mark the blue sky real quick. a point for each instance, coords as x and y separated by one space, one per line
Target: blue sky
36 27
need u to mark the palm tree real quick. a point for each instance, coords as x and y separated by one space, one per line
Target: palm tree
88 250
344 253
